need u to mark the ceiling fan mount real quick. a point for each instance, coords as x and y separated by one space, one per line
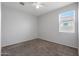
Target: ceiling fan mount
36 4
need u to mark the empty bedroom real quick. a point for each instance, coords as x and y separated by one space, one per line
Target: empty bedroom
39 29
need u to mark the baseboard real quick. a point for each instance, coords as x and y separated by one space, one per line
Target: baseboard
58 43
17 43
36 39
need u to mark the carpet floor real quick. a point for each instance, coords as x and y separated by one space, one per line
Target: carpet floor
38 47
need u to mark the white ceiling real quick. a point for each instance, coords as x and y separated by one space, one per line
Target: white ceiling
29 8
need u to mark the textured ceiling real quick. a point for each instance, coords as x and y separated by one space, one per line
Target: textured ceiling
29 8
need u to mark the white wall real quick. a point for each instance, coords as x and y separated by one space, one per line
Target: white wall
17 26
0 28
49 27
78 28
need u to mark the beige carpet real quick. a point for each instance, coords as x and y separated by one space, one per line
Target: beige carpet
38 47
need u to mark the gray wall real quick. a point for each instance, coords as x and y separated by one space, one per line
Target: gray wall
78 28
0 28
49 27
17 26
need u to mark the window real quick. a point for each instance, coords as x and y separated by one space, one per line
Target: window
67 21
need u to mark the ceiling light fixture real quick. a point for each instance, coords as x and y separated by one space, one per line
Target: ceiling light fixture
37 4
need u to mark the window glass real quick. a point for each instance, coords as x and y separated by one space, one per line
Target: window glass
67 21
